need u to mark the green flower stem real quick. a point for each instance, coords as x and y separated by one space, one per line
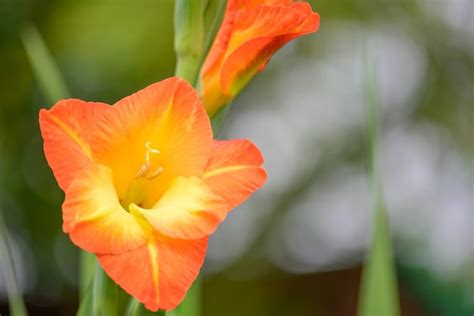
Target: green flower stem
379 286
196 23
189 47
15 300
189 38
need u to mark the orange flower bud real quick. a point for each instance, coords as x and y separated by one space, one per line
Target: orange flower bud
251 32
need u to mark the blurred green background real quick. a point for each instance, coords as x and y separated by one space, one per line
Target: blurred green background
296 247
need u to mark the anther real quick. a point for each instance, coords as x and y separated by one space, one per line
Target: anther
155 173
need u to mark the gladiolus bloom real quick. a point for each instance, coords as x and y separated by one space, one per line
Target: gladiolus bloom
251 32
145 184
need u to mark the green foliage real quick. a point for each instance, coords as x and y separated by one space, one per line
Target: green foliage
15 300
86 272
379 286
44 67
104 294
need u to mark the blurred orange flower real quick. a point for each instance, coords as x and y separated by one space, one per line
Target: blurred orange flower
251 32
145 184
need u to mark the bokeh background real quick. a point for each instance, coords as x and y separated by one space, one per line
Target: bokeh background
296 247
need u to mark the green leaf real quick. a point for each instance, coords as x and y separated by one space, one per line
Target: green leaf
379 286
15 300
85 308
101 297
86 271
44 67
104 294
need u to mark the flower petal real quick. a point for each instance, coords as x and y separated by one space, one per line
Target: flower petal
66 130
234 170
159 273
94 218
189 209
170 117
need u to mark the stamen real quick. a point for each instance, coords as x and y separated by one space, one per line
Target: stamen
155 173
144 171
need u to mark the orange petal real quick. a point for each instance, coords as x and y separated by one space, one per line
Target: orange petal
159 273
234 170
94 218
189 209
170 117
66 131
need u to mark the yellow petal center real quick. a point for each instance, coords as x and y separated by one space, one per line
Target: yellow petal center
137 188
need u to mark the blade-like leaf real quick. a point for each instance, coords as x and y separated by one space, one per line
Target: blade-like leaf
86 271
104 294
44 67
101 296
379 287
15 300
85 307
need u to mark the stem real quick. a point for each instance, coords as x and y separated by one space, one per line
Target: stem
190 46
189 38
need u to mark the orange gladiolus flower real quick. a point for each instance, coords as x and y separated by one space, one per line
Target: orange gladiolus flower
145 184
251 32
